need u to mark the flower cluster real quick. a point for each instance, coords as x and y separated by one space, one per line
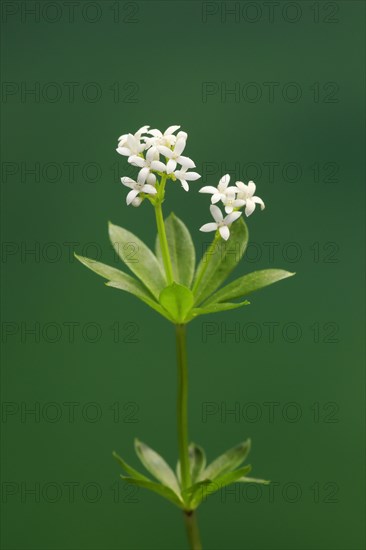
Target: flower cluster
233 198
155 153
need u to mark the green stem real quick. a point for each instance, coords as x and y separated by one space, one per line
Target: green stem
206 261
192 530
182 406
182 417
162 234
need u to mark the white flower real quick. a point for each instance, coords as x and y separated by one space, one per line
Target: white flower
230 201
220 223
151 162
137 187
183 176
175 156
246 193
219 192
168 138
129 145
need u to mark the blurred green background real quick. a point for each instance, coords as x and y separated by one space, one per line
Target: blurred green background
99 367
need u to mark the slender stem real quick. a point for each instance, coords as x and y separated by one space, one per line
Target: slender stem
162 234
182 405
206 261
192 530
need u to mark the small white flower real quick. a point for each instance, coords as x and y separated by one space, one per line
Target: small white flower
230 201
246 193
220 223
175 156
168 138
219 192
148 164
137 187
183 176
129 144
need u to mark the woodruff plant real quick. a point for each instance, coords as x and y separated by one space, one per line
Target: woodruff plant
170 283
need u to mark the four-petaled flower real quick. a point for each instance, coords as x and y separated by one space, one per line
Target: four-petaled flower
184 177
219 192
151 162
168 138
246 193
175 156
130 144
221 223
137 187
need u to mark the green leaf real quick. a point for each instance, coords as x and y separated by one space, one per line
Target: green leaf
156 465
177 300
122 281
181 250
216 308
128 469
216 265
205 488
226 462
253 480
138 258
161 490
197 461
247 284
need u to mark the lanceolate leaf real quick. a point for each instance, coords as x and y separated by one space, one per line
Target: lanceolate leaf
197 462
204 489
157 488
177 300
181 250
217 264
119 279
216 308
138 258
247 284
253 480
226 462
128 469
157 466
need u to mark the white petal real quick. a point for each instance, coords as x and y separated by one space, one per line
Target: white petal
170 130
241 186
192 176
131 195
249 207
179 146
152 154
151 179
142 175
141 131
224 232
136 202
208 227
216 213
229 209
171 166
216 197
123 151
238 203
155 133
224 182
232 217
137 161
128 182
165 151
149 189
251 188
157 165
259 201
208 189
185 185
183 135
186 162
